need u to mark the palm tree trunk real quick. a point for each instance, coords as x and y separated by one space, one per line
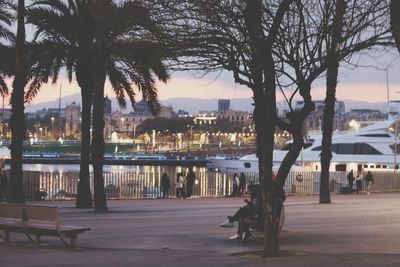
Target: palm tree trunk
17 120
84 198
100 204
329 112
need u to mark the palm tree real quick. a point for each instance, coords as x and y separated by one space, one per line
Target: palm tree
126 53
67 39
95 39
7 57
17 120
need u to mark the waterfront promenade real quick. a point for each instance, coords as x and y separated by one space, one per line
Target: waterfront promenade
356 230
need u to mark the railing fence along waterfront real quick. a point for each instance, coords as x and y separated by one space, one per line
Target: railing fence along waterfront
141 184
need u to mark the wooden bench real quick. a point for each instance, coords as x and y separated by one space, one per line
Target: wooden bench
37 221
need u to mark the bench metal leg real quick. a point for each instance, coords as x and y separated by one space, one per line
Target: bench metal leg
72 243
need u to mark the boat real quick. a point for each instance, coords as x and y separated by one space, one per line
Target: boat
372 147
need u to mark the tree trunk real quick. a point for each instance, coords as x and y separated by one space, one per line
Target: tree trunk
395 21
262 68
329 111
100 204
265 129
84 199
17 120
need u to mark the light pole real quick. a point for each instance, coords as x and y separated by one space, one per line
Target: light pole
52 126
395 146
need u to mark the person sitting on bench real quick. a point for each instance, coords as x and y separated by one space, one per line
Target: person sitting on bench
246 215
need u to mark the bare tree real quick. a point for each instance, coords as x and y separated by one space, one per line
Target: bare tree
263 43
306 57
333 59
356 26
239 37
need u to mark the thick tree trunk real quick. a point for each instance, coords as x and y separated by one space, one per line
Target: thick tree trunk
333 59
265 129
17 120
84 199
395 21
262 68
100 204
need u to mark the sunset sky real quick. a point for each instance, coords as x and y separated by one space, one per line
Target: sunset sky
362 84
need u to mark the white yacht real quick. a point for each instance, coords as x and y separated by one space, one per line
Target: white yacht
372 147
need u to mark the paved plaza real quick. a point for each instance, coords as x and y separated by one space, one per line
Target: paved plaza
356 230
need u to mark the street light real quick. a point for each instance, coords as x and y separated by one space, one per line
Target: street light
52 125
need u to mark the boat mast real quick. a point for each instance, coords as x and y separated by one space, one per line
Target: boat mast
59 113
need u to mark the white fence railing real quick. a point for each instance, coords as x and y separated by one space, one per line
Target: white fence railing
134 185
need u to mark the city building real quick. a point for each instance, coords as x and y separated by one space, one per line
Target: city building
126 124
314 120
224 105
205 117
72 120
235 116
365 115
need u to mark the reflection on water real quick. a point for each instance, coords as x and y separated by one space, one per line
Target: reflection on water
107 168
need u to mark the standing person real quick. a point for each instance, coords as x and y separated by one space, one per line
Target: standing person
179 185
165 185
242 183
235 185
3 185
350 179
190 177
359 182
370 180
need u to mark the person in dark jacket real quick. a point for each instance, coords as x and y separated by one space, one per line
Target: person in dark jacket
242 183
165 185
250 212
370 180
359 182
190 177
350 180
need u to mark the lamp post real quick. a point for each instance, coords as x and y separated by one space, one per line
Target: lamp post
395 146
52 126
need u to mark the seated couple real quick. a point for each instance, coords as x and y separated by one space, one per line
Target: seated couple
250 215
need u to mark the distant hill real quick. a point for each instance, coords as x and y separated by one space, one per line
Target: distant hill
194 105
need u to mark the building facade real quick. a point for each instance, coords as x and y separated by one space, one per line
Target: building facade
314 120
126 124
72 120
224 105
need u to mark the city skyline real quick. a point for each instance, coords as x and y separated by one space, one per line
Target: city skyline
361 84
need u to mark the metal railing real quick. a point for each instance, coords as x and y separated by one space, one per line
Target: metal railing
140 184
